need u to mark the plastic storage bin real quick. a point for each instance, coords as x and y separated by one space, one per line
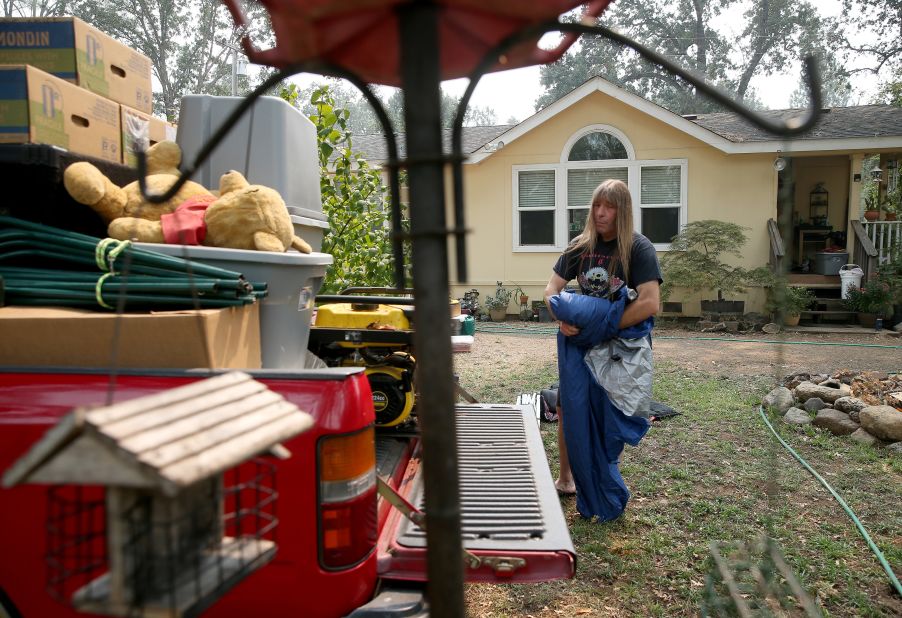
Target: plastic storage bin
309 225
829 263
273 144
293 280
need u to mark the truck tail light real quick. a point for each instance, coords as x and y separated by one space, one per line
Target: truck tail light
347 498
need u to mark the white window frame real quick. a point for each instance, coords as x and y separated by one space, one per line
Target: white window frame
560 169
636 193
515 174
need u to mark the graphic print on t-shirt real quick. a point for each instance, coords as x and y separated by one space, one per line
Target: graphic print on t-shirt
594 278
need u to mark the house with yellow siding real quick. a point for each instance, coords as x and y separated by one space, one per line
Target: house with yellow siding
527 186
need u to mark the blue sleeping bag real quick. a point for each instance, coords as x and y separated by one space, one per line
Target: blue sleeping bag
594 429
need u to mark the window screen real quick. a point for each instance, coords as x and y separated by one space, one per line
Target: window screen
582 182
537 189
661 184
536 227
660 225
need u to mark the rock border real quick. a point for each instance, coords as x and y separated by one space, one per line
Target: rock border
866 407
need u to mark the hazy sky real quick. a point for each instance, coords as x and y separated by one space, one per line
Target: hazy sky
513 93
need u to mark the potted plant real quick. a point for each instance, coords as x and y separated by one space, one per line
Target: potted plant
890 274
871 197
892 206
788 303
695 261
870 301
497 303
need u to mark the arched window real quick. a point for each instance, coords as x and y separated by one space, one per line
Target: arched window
597 146
551 201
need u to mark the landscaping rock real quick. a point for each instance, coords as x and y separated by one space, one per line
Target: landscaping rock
770 328
884 422
836 422
814 404
807 390
823 380
795 416
851 406
779 398
793 380
896 447
863 437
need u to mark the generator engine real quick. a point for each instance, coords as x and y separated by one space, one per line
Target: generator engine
379 338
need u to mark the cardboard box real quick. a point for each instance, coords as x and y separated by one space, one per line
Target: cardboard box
36 107
142 129
52 336
77 52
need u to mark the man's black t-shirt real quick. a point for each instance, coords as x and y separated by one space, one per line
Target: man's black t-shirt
591 268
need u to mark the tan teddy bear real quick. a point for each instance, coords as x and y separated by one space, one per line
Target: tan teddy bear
243 216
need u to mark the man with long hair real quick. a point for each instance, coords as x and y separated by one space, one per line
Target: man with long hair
606 259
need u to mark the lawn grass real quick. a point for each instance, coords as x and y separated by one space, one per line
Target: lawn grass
716 473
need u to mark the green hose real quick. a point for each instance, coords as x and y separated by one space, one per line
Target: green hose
892 576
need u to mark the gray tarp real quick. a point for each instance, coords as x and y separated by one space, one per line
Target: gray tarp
623 368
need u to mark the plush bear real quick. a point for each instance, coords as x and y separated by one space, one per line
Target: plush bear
242 216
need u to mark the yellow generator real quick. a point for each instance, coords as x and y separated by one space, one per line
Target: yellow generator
365 332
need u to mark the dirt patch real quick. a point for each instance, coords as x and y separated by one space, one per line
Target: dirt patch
722 354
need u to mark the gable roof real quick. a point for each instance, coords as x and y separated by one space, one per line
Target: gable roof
863 128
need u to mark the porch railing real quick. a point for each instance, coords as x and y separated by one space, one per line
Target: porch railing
885 235
864 253
777 250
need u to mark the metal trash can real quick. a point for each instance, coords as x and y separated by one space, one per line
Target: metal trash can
850 277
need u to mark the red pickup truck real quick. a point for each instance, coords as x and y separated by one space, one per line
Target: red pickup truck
342 550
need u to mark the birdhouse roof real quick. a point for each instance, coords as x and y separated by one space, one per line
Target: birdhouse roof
167 440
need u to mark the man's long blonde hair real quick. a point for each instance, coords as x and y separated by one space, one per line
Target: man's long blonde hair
617 194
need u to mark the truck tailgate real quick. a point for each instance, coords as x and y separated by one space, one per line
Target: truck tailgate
511 516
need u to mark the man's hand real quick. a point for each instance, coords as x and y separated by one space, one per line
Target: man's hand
569 330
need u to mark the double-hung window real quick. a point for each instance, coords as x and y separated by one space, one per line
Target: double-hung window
551 201
661 200
535 191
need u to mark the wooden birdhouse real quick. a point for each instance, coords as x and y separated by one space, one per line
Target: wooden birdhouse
173 542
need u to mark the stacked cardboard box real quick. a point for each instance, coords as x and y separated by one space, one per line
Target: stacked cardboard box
106 111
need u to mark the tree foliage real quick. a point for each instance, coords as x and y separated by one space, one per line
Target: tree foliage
775 32
362 119
355 201
695 260
35 8
188 41
880 21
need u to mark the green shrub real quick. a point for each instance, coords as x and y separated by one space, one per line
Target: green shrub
694 260
791 300
874 297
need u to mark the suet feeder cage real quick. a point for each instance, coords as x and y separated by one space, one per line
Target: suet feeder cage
155 508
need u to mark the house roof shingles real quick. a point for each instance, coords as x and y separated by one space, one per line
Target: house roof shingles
863 121
373 147
834 123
